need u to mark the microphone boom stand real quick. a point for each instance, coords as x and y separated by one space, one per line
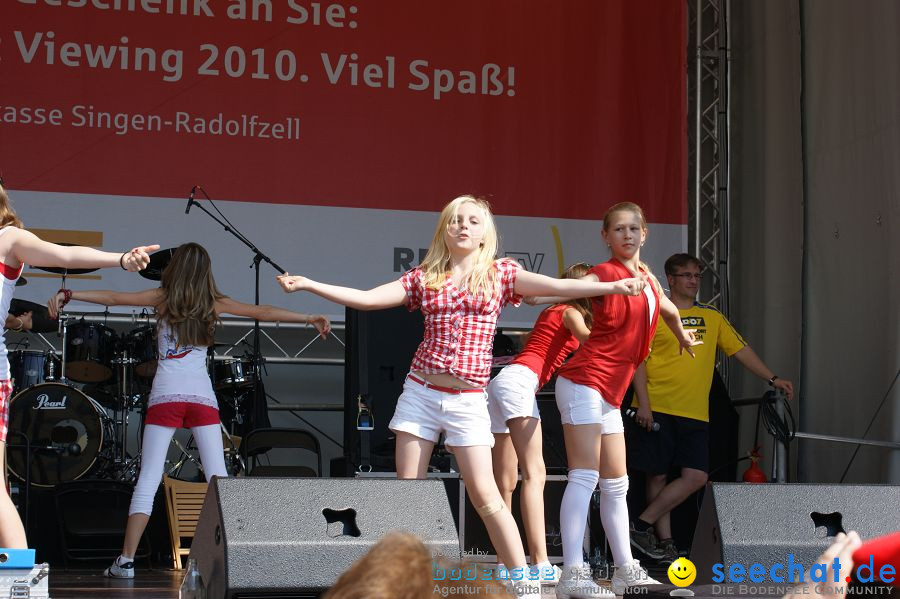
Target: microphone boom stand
258 257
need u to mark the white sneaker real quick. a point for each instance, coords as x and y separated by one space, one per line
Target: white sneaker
524 589
577 582
545 572
120 569
632 574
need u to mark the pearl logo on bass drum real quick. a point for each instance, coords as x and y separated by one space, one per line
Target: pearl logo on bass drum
43 402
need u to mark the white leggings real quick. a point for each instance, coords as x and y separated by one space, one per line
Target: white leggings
153 459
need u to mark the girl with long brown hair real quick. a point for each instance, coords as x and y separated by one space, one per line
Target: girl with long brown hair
460 288
187 305
18 246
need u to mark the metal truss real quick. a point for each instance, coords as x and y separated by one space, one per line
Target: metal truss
709 53
280 343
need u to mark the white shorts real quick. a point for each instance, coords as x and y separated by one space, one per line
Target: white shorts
580 404
511 395
426 413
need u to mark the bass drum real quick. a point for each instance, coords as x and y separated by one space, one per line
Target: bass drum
67 431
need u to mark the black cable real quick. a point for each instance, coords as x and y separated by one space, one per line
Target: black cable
728 465
871 422
225 218
782 429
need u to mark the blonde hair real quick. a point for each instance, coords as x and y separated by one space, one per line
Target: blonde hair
190 295
636 210
435 266
7 214
582 304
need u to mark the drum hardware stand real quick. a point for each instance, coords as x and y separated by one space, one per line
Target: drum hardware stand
63 332
129 471
131 468
124 401
232 454
185 457
259 395
232 451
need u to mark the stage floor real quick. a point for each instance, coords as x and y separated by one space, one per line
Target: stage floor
81 584
148 584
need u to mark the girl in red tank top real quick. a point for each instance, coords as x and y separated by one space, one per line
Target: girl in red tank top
589 390
516 421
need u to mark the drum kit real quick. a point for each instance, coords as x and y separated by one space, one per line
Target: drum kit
73 409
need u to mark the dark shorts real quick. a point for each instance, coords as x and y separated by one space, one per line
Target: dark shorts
680 441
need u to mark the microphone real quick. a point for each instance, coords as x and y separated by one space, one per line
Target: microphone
63 449
190 199
632 413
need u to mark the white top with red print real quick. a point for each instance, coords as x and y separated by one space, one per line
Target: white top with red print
459 327
9 277
181 370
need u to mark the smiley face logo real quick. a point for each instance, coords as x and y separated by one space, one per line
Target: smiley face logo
682 572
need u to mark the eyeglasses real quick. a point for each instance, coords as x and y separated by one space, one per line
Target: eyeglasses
688 275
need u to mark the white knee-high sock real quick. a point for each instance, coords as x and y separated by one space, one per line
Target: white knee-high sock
573 512
614 515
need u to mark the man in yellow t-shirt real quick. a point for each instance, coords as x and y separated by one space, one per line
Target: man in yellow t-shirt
672 389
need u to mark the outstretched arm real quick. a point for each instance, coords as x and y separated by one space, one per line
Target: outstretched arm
669 313
388 295
272 314
148 297
534 284
752 362
31 249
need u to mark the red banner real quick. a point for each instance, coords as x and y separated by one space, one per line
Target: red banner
552 109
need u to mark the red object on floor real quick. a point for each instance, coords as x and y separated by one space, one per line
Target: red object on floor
754 473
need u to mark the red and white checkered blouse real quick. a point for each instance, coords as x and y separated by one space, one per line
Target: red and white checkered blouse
459 327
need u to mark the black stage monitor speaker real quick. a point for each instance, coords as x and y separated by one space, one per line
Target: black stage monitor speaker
765 523
379 351
293 537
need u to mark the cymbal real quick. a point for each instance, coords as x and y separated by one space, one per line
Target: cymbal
40 315
158 263
61 270
21 281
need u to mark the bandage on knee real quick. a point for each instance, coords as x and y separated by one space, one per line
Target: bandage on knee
491 508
